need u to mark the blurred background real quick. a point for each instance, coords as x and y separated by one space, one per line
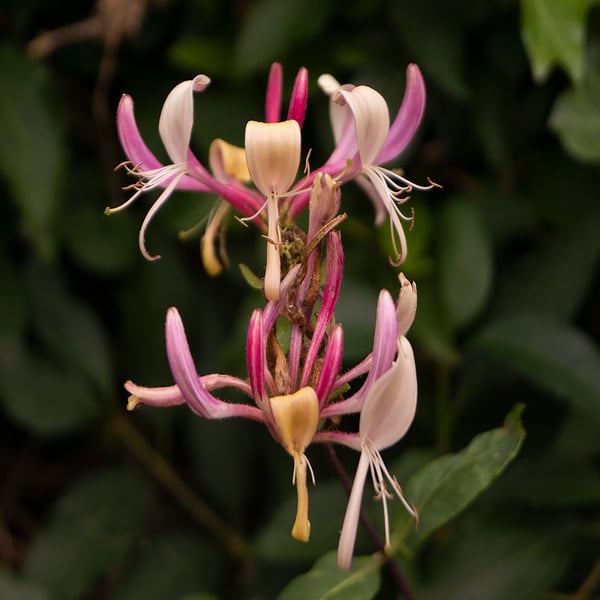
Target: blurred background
99 503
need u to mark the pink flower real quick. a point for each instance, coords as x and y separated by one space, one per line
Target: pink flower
365 140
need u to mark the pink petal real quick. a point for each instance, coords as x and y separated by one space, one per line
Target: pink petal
299 98
332 362
186 377
273 98
408 118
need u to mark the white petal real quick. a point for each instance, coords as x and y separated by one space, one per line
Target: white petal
371 118
273 155
350 526
390 405
177 117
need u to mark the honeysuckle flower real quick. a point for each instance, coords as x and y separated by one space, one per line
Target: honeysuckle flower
386 415
186 172
273 157
365 140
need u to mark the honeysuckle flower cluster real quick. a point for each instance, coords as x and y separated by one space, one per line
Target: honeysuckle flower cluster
298 389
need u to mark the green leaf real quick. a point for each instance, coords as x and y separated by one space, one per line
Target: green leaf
483 560
575 116
166 566
272 27
69 326
326 581
15 588
465 260
553 33
91 528
448 484
45 397
432 29
537 282
554 355
32 151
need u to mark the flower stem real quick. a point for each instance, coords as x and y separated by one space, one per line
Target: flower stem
166 476
378 541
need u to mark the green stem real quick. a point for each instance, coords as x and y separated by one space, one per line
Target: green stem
164 473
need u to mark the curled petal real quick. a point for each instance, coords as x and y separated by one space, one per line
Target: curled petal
186 377
371 119
390 405
408 118
131 140
406 307
384 348
177 117
273 155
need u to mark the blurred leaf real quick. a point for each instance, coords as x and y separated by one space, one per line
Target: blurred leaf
91 528
485 561
15 588
553 33
465 260
432 29
575 116
272 27
68 325
97 242
202 55
13 307
327 581
429 328
545 280
556 356
172 565
32 150
448 484
46 398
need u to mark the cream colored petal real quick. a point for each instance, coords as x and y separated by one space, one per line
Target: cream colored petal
407 304
371 118
273 155
391 403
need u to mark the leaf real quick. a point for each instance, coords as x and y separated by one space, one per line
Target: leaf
68 325
553 33
448 484
15 588
537 282
465 260
166 566
272 27
554 355
575 116
483 560
431 29
46 398
32 153
91 528
326 581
